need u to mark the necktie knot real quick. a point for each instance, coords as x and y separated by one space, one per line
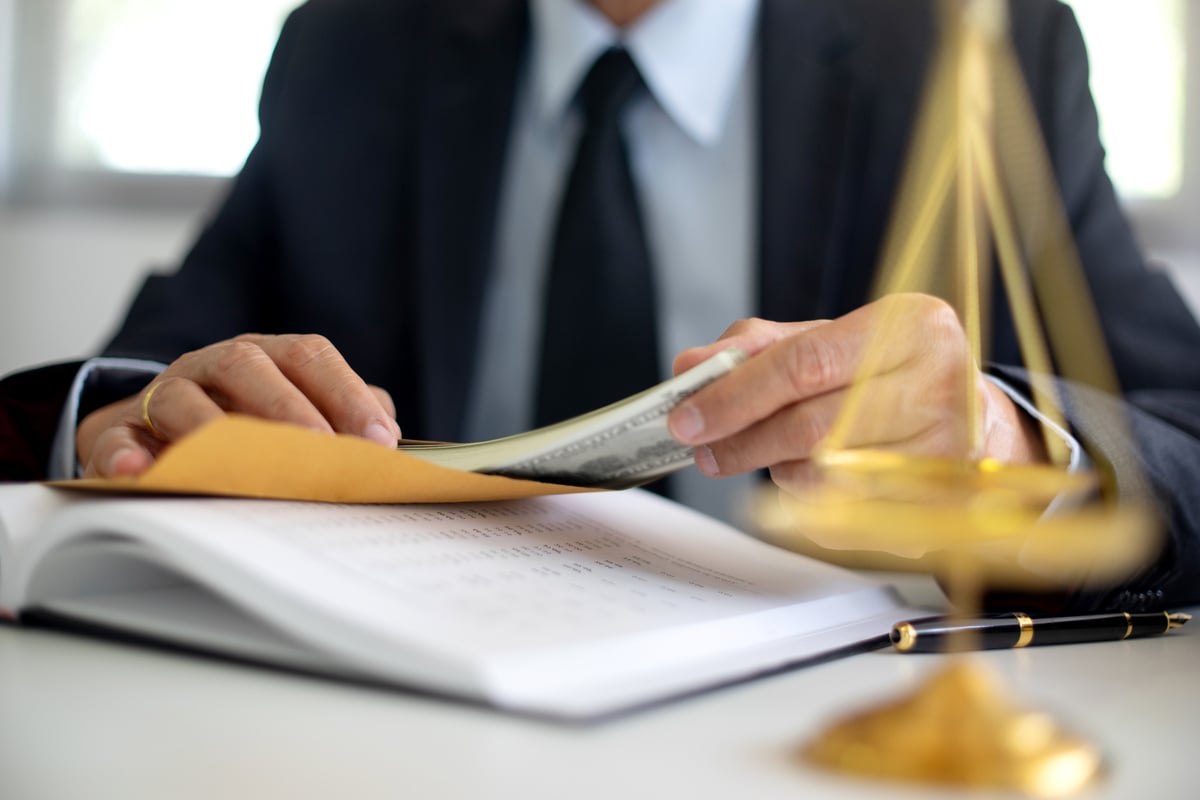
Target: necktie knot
610 83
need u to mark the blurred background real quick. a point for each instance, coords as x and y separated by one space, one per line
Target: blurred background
120 121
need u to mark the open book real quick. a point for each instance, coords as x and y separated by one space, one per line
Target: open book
569 606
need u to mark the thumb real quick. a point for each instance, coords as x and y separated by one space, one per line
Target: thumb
118 451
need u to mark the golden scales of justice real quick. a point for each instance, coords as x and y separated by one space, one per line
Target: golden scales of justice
978 184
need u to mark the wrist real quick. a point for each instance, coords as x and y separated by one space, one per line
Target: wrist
1010 434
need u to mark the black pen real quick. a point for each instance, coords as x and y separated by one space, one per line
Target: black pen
939 634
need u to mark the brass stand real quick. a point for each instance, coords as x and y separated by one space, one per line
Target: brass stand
978 183
959 729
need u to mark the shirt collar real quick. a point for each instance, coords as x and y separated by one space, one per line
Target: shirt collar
691 54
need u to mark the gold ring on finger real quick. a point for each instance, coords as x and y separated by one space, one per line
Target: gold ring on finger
146 420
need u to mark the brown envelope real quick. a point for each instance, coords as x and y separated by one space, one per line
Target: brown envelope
240 456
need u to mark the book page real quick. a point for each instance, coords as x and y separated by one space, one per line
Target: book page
531 573
494 600
583 604
24 507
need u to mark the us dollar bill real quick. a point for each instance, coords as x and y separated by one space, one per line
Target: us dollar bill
618 446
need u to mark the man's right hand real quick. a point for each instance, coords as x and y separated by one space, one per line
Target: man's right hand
301 379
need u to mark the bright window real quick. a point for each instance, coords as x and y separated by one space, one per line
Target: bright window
1138 58
171 86
163 86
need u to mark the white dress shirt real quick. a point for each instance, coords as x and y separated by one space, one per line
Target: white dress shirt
693 154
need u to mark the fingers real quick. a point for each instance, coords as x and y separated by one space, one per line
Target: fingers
385 400
809 360
237 375
795 476
128 441
816 360
1019 441
790 434
893 412
905 356
315 366
172 407
118 451
299 379
750 335
302 380
110 441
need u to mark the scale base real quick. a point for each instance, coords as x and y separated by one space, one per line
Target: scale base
959 729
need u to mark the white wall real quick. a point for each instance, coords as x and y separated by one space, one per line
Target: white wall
66 276
7 64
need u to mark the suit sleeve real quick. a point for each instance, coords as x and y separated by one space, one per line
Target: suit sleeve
1151 335
30 405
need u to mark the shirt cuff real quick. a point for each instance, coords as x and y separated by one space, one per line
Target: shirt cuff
1078 460
98 382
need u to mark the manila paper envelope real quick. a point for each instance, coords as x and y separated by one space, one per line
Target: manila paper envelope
238 456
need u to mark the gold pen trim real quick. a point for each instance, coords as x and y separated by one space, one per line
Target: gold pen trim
1177 620
1026 623
1128 624
907 637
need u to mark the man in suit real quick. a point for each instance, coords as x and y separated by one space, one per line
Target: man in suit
410 158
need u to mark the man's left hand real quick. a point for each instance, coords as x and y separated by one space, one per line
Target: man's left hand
774 410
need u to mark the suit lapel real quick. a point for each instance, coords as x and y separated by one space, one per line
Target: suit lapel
806 92
467 108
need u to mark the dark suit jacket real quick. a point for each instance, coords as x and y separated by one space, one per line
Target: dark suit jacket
367 210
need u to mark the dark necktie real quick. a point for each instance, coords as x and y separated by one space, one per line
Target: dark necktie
599 342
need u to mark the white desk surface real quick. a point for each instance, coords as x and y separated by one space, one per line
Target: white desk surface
82 718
